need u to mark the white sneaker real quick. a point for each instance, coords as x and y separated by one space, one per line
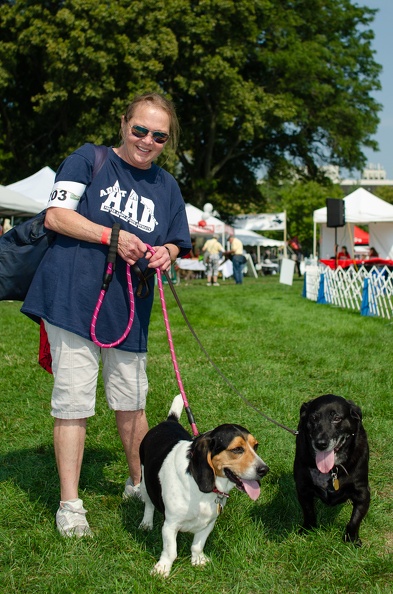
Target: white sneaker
71 519
132 490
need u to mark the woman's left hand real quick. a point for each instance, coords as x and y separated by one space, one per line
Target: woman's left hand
160 258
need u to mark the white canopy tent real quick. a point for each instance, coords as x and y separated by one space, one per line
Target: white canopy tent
37 186
361 208
254 239
200 224
15 204
250 238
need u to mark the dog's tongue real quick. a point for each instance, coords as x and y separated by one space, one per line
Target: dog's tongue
252 489
325 461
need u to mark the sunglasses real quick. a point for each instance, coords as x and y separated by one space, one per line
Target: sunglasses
142 132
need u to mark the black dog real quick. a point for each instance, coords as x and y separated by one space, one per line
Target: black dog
331 460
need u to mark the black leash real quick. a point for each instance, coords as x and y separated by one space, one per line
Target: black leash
227 381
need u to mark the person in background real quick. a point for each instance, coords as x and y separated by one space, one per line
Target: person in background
238 259
6 225
145 200
297 253
212 250
373 253
343 254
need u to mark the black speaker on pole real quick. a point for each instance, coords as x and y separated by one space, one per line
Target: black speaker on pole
335 212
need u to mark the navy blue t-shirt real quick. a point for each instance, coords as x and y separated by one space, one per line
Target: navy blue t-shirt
66 286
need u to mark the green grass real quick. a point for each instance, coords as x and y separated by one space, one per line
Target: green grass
279 350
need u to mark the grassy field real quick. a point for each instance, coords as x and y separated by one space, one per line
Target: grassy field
279 350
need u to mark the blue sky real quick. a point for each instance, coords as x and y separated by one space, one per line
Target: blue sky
383 44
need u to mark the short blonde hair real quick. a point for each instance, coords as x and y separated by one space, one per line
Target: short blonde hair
161 102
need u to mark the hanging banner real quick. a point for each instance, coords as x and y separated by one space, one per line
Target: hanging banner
261 222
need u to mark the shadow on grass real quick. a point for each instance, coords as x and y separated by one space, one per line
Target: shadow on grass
34 471
282 515
132 514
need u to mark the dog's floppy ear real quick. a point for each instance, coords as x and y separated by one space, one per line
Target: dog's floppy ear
303 409
199 467
355 411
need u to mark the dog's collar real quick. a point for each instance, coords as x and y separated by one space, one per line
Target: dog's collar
334 476
220 493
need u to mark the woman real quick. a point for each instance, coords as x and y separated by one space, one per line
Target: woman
344 254
146 201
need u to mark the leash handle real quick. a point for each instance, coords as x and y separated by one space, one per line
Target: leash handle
111 258
172 348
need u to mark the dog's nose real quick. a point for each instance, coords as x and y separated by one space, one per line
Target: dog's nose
321 444
262 470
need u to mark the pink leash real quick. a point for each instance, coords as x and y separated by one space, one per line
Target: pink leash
107 278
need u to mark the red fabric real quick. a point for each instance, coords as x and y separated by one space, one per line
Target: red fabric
44 356
345 263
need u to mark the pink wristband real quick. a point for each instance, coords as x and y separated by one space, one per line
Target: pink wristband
105 235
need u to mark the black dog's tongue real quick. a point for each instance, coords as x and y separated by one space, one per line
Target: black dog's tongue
325 461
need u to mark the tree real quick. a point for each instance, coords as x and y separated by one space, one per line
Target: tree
280 84
288 86
67 72
385 193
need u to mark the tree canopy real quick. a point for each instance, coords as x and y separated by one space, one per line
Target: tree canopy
277 84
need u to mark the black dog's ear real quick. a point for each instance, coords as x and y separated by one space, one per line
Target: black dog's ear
355 411
199 467
303 409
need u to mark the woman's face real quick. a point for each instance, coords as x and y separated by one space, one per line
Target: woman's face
141 152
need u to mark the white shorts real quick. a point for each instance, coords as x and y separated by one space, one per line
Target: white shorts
75 366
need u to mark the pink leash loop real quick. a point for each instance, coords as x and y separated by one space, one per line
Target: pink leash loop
172 348
98 307
111 261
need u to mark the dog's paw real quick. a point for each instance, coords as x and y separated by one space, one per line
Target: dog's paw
161 570
145 526
200 559
304 530
355 540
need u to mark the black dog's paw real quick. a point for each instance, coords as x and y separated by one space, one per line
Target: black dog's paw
355 540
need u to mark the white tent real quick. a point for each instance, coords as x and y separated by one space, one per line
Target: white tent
15 204
254 239
250 238
201 225
361 208
37 186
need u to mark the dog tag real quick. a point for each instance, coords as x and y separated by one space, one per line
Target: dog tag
336 484
219 509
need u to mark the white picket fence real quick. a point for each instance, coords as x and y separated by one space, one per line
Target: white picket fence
368 291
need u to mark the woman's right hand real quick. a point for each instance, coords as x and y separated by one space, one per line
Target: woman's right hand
130 247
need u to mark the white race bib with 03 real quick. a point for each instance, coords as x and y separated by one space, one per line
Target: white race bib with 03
66 194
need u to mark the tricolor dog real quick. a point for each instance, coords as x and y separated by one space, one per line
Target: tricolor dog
331 460
189 480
